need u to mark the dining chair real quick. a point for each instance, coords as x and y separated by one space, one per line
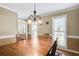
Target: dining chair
52 50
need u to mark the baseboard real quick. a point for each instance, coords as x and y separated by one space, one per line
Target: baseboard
69 36
45 34
7 36
72 51
40 34
50 35
4 40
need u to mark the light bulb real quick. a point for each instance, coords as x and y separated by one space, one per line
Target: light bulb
40 21
29 21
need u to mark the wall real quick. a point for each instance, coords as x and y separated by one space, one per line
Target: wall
72 28
29 28
45 28
72 21
73 44
8 26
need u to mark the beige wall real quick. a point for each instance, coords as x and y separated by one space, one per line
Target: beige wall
72 27
45 28
73 44
8 26
72 21
8 22
29 26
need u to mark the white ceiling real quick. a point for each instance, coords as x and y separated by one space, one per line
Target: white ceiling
25 9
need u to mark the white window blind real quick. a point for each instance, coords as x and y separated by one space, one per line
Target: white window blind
59 30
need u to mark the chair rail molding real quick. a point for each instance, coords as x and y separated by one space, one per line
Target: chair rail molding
7 36
72 36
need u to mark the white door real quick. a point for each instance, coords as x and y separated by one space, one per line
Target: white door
60 30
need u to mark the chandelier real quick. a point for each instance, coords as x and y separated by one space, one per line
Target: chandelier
34 17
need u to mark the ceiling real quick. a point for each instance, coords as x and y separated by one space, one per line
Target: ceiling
23 10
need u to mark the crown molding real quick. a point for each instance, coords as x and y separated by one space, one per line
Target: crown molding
45 14
63 10
8 8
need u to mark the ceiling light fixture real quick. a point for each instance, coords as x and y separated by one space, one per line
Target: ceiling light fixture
34 17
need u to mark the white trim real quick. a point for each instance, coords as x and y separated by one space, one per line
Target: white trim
70 36
40 34
64 10
44 34
60 16
50 34
8 36
8 8
69 50
46 14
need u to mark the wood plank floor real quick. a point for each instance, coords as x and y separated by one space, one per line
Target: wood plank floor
30 48
27 47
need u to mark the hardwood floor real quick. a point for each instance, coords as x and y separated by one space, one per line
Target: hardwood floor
27 47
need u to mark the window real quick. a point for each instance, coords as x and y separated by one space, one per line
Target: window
34 34
22 27
59 30
34 30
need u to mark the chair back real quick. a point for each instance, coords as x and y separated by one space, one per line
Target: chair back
52 50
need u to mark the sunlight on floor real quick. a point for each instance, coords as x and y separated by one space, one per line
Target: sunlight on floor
35 40
35 46
24 41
